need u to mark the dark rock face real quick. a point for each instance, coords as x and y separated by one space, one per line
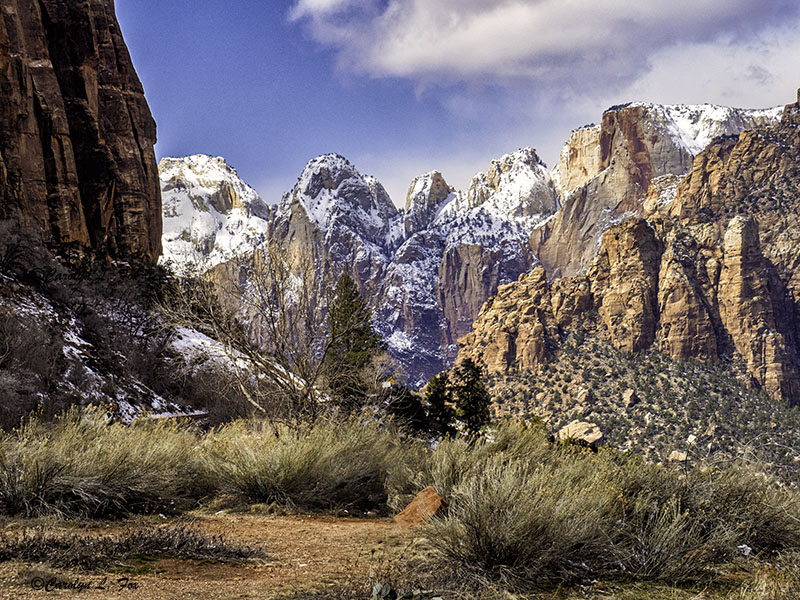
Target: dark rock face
77 165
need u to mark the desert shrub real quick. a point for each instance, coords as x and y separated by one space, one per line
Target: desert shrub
454 459
560 515
777 581
81 465
323 465
71 549
521 522
741 497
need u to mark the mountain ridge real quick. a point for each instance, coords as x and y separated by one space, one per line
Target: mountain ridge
431 265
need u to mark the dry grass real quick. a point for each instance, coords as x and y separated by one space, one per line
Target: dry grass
327 465
565 514
92 552
523 509
83 466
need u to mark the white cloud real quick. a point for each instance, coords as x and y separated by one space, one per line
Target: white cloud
318 8
564 42
512 73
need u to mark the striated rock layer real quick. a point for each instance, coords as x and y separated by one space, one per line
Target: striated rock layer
77 165
605 171
710 270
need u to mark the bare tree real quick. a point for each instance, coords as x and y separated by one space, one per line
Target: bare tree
269 311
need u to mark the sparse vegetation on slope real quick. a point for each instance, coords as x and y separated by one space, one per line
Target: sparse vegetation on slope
672 401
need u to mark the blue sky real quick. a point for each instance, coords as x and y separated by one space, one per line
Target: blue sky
401 87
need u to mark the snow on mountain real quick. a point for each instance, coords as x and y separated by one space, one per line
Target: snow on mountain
335 195
694 125
209 214
429 267
679 130
513 197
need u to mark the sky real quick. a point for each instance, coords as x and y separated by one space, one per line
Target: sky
402 87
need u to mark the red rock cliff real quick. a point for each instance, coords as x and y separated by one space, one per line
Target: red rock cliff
77 165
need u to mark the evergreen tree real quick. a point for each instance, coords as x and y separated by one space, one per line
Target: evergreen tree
407 408
352 343
472 400
438 397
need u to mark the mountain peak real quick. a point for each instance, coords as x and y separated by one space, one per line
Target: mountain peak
426 194
333 193
693 126
517 184
209 213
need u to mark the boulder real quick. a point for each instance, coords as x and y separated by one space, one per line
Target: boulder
424 505
630 398
583 431
585 397
677 456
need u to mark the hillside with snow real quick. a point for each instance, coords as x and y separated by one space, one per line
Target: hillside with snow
209 214
428 267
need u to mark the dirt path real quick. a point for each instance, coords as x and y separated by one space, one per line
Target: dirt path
306 554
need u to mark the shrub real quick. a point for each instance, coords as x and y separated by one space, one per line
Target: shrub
324 465
81 465
560 515
519 522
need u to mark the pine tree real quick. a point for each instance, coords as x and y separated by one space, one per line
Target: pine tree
352 343
406 406
438 398
472 400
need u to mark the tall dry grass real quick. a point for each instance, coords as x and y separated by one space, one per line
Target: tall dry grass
328 464
556 513
81 465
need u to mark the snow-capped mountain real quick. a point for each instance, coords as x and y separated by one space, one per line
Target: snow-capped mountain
209 214
682 130
429 267
605 170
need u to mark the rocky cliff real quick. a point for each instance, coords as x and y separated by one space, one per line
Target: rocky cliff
427 268
709 269
605 171
77 165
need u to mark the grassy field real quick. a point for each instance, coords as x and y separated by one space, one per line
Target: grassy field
267 510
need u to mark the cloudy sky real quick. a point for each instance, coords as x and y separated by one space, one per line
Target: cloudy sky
401 87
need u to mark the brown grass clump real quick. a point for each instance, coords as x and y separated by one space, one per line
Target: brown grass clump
91 552
567 514
354 463
83 466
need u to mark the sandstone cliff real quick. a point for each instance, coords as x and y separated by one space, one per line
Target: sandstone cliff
77 165
605 171
709 271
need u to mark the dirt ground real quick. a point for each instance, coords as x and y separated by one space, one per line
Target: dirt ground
306 554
